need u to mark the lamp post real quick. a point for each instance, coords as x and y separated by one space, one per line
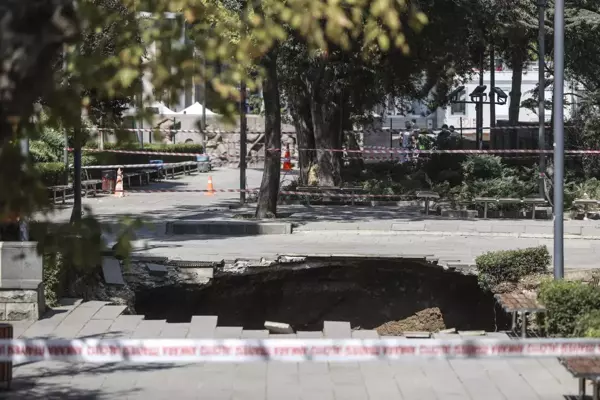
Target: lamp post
559 141
479 98
243 138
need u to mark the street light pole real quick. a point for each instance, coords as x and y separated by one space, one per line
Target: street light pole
243 138
559 141
541 94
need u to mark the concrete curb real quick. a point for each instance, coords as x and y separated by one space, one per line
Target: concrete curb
229 228
440 233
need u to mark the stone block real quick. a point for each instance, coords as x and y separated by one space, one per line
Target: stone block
459 214
337 329
111 269
18 296
156 269
278 327
20 304
229 228
21 267
21 311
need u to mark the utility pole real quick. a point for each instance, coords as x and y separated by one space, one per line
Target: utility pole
243 138
541 93
559 140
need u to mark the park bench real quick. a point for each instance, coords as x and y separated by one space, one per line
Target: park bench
586 204
89 185
127 176
584 369
427 196
519 303
62 189
331 192
492 200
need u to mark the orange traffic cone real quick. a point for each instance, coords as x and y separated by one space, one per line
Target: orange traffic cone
287 159
119 192
210 190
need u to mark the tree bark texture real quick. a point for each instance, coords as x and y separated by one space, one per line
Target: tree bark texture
31 36
517 63
327 128
302 119
269 187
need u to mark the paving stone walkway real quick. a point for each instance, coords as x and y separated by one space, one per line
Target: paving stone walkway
579 254
457 379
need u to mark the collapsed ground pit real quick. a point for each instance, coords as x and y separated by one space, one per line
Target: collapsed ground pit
368 293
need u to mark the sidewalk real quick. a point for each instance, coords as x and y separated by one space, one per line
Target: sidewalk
579 253
475 379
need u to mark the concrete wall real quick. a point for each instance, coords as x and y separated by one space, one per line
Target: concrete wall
21 287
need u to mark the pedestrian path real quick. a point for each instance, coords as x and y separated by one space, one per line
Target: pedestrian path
421 379
579 253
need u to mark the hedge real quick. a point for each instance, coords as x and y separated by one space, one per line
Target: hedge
567 303
588 325
51 174
119 158
510 265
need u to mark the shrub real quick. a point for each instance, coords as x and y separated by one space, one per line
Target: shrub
566 303
497 267
588 325
482 167
51 174
53 279
120 158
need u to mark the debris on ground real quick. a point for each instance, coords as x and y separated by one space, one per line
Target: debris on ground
429 319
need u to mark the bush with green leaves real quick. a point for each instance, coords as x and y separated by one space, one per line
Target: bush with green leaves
509 266
48 147
567 303
483 167
588 325
53 277
121 158
51 173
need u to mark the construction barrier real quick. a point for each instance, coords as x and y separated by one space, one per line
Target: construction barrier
237 132
386 151
290 350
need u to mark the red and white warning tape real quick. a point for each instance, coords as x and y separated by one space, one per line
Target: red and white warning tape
237 132
153 166
386 151
290 350
281 193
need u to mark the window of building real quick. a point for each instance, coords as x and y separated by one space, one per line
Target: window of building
459 108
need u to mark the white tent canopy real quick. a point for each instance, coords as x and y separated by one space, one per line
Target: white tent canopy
196 109
159 106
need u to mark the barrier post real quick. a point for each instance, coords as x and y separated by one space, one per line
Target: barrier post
6 332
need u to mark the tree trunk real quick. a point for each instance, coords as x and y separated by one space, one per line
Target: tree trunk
302 119
76 212
327 127
517 61
269 187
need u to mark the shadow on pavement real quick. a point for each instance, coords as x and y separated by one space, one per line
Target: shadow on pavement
59 381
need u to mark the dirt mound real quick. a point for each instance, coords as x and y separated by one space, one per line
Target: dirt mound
429 319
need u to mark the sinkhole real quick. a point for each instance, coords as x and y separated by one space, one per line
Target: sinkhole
384 294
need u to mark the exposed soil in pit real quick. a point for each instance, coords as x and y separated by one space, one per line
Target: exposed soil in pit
391 295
